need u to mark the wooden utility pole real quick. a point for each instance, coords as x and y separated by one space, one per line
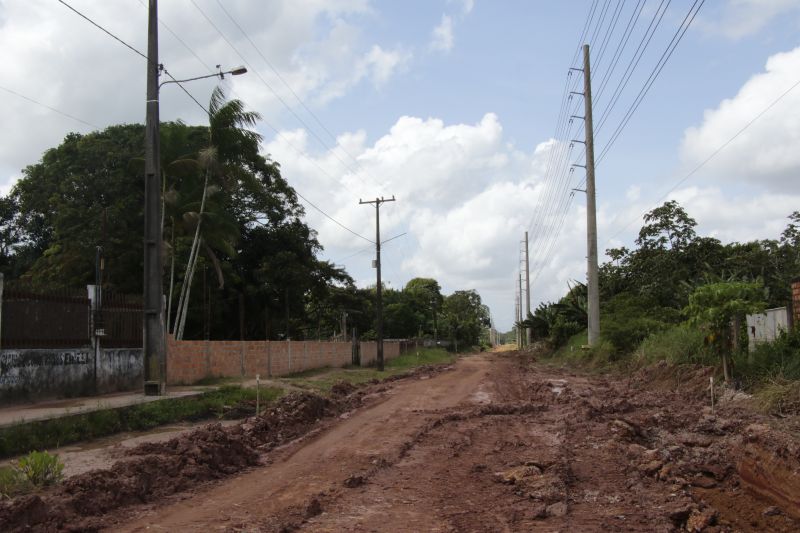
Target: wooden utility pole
154 337
593 276
378 288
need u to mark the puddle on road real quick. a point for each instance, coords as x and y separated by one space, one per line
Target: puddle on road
557 385
481 397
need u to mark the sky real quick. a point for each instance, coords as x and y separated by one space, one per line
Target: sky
453 107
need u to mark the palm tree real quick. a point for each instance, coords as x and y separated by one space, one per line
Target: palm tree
225 162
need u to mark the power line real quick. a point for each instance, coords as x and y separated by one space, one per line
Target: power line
29 99
99 27
285 83
275 93
206 111
309 202
713 154
634 62
676 39
131 48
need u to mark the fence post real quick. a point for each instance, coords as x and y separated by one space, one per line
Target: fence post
2 281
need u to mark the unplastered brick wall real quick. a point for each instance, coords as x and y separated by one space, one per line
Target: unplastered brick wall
796 301
191 361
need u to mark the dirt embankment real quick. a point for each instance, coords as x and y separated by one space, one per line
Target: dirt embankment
495 444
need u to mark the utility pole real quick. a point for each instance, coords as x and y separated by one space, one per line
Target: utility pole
378 288
154 340
516 316
591 206
521 332
527 289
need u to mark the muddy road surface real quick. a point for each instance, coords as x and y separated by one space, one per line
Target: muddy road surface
494 442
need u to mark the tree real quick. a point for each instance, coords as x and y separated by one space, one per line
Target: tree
716 305
425 298
667 227
464 317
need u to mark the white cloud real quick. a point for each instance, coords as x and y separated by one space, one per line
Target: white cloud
735 19
767 152
464 195
59 59
382 64
442 39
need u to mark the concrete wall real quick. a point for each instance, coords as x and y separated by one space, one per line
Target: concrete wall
191 361
766 327
27 374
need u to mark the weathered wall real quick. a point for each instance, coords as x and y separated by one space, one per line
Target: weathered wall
191 361
766 326
27 374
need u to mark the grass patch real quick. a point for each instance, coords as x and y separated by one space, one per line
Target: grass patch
680 344
322 379
12 483
50 434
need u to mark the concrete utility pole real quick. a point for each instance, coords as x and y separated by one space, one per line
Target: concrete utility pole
527 289
516 316
378 288
519 317
153 328
591 215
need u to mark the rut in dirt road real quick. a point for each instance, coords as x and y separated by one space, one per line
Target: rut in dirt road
492 443
497 444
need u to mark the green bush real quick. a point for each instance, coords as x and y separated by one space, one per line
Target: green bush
678 344
12 483
774 361
41 468
563 329
627 319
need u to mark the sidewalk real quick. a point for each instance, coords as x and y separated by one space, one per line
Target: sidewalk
16 414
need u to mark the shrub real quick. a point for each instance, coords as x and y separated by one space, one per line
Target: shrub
12 483
627 319
563 329
770 361
678 344
41 468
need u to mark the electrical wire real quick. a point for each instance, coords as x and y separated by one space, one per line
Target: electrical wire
276 94
63 113
306 200
673 44
713 154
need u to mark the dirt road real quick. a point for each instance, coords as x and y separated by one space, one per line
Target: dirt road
495 444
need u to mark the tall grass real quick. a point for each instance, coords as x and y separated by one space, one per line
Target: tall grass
679 344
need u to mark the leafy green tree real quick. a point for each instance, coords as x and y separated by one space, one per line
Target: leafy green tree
716 305
464 317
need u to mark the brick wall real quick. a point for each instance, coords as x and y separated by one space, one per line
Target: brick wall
796 302
191 361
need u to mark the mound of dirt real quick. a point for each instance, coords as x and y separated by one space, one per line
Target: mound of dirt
155 470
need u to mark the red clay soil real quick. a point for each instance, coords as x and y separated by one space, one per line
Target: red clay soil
493 444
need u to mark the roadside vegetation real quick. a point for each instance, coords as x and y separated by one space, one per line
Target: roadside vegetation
682 298
231 401
241 260
323 379
33 471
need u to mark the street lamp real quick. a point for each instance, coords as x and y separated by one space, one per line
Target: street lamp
237 71
154 341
